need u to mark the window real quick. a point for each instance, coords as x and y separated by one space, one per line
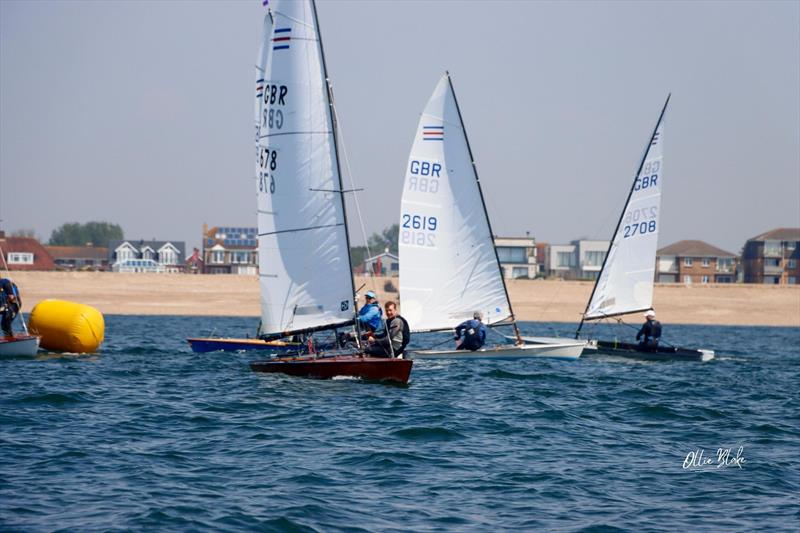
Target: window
792 280
147 253
687 261
218 256
595 258
124 255
564 259
519 272
20 258
508 254
687 280
167 257
792 263
703 279
706 261
772 262
240 257
725 264
772 248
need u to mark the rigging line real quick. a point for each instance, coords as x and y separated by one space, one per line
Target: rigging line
300 229
294 133
353 185
336 191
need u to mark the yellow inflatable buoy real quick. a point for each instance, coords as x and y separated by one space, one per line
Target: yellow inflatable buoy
67 326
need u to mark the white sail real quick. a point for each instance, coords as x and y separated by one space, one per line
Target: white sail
448 265
304 263
626 281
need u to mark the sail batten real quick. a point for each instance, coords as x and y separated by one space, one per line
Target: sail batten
302 233
448 267
625 282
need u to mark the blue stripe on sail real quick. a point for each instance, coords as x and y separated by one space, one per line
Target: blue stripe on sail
281 47
283 30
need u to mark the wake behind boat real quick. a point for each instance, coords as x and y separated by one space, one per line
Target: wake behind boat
449 267
625 282
305 274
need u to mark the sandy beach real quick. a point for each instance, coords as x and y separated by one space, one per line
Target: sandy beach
533 300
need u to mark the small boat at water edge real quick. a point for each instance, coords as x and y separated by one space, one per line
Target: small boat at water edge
19 346
345 365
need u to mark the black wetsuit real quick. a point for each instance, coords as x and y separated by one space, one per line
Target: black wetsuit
651 331
8 309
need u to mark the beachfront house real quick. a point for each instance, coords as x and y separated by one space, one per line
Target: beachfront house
773 257
383 264
693 261
582 259
230 250
517 256
79 257
146 256
25 253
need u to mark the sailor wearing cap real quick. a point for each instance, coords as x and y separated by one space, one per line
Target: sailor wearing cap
371 315
649 333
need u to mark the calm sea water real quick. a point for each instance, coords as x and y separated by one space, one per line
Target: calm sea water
147 435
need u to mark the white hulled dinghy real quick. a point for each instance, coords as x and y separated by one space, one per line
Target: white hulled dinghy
448 264
625 282
305 274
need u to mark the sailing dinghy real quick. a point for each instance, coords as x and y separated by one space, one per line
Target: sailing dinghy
625 282
19 345
448 263
305 273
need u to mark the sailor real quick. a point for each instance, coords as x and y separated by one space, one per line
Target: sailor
399 332
371 318
649 333
473 331
10 303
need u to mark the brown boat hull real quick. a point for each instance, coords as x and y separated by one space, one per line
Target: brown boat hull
368 368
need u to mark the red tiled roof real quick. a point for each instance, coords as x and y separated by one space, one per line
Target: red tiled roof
779 234
77 252
694 249
41 257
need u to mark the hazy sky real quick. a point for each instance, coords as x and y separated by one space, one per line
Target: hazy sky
141 113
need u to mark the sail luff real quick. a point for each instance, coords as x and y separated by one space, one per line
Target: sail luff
614 236
305 273
483 204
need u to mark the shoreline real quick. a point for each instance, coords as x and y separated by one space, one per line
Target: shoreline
533 300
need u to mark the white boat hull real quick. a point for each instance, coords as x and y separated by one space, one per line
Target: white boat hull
563 350
19 346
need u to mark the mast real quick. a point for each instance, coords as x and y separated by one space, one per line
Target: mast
334 126
485 213
621 216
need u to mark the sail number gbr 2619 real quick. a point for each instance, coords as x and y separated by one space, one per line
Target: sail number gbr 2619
268 164
419 230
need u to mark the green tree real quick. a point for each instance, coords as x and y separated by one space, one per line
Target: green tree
385 239
76 234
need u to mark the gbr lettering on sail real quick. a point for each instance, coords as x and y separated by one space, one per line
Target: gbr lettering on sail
419 228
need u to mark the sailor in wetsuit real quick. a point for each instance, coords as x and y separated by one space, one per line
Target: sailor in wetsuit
649 333
10 302
473 332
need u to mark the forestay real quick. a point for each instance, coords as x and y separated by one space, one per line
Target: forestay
626 281
305 274
448 265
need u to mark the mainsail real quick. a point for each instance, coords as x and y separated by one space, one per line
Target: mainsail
448 267
305 275
625 284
